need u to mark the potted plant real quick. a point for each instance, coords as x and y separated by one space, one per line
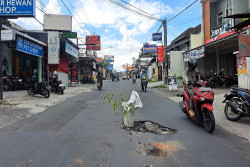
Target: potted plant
121 104
179 81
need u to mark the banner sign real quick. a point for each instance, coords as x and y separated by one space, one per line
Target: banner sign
224 28
53 47
244 45
194 54
99 59
18 8
71 50
172 83
157 36
109 58
69 34
7 35
74 73
93 40
26 46
160 53
149 48
241 65
93 47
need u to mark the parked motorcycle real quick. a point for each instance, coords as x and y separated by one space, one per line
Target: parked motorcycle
38 88
7 84
56 86
203 100
237 104
144 84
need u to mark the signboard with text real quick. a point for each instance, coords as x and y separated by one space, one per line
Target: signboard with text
71 50
157 36
172 83
109 58
93 40
26 46
17 8
149 48
74 73
93 47
160 53
53 47
69 34
7 35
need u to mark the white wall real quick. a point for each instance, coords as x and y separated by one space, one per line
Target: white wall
176 63
64 78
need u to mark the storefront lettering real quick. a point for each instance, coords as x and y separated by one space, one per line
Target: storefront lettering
222 29
29 47
9 6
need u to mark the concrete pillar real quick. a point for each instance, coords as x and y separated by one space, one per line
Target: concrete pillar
9 61
39 69
217 61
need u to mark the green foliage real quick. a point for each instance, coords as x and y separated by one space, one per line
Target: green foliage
179 77
117 103
161 86
104 64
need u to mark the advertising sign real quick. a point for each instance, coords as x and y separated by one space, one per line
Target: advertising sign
160 53
149 48
99 59
109 58
7 35
93 40
69 35
244 45
157 36
93 47
194 54
18 8
224 28
71 50
74 73
53 47
57 22
29 47
172 83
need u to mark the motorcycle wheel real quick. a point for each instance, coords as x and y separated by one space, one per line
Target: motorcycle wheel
228 110
46 93
209 121
30 91
61 91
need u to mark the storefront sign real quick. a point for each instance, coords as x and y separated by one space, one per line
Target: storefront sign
149 48
69 34
93 47
160 53
71 50
18 8
99 59
244 45
224 28
53 47
194 54
29 47
74 73
92 40
172 83
241 65
157 36
7 35
109 58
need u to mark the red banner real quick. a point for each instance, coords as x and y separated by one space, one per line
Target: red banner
93 47
244 45
74 74
160 53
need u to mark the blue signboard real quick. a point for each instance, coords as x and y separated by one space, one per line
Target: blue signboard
157 37
18 8
29 47
110 68
149 48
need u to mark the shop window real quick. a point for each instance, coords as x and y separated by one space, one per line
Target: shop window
219 18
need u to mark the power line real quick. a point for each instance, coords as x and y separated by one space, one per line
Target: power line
139 13
140 10
182 10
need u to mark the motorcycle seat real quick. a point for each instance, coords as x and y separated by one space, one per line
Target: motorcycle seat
241 89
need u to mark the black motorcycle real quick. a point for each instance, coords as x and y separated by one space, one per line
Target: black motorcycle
7 84
144 84
56 86
237 104
39 88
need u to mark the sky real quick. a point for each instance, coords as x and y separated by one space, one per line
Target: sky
122 31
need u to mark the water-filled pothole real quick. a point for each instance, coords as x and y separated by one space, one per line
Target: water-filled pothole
151 127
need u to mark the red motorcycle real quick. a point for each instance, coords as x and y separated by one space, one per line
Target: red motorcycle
203 99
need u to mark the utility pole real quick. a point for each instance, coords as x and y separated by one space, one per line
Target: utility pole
165 67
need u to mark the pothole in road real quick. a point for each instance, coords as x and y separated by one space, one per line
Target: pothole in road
151 127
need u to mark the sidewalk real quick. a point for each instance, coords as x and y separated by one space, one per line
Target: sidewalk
18 104
240 128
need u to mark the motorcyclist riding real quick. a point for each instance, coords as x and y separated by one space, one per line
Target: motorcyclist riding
191 74
143 74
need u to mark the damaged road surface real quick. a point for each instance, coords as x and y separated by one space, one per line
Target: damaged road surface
81 132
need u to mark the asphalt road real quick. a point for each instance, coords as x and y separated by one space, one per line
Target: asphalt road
82 132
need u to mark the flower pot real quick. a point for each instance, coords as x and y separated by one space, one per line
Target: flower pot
179 82
129 119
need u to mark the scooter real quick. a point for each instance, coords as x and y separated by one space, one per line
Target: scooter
57 86
38 88
203 99
237 104
144 84
133 80
99 85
